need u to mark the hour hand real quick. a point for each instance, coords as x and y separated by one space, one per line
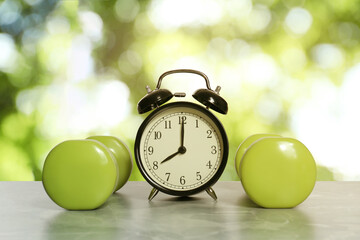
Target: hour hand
181 150
170 157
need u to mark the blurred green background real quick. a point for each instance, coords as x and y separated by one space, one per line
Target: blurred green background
71 69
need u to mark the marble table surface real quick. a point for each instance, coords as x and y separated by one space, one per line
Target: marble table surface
331 212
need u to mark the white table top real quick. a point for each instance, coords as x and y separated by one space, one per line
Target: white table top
331 212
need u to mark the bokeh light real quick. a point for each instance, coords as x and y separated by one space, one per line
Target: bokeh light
328 56
298 20
8 53
71 69
172 14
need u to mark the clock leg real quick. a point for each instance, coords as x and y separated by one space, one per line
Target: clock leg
211 192
153 193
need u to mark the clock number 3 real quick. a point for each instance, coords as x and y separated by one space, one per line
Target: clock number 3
213 149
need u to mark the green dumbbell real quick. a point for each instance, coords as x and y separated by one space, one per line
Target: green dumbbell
82 174
276 172
122 155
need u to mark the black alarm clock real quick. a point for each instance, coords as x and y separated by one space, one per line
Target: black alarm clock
181 148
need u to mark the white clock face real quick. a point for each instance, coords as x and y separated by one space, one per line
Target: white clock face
181 148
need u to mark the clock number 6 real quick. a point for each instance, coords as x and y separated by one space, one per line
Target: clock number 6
182 180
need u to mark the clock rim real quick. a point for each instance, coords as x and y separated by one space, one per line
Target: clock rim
212 180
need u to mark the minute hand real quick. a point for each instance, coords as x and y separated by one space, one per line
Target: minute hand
182 134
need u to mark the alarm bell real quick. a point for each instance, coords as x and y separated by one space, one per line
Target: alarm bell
153 99
206 96
211 99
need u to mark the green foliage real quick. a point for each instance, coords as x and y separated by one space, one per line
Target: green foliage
65 57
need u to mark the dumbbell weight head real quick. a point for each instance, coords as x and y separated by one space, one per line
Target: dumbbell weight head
122 155
80 174
277 172
247 143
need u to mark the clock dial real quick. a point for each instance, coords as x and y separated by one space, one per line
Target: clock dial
181 148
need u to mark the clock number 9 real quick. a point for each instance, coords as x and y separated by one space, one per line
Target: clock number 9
150 150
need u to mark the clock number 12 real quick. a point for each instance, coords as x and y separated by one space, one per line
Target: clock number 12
182 119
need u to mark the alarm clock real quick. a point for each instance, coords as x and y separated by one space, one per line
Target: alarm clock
181 148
